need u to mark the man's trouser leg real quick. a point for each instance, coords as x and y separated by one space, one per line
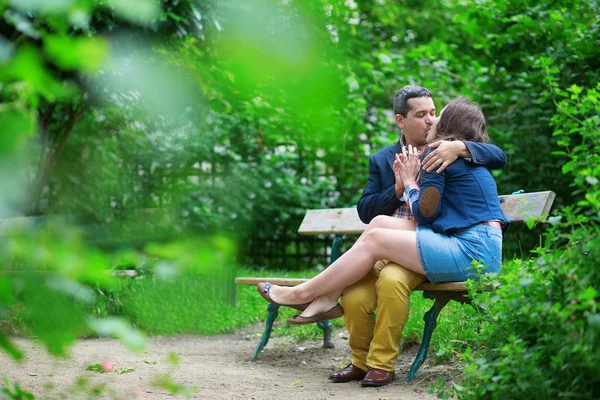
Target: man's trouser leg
393 290
359 301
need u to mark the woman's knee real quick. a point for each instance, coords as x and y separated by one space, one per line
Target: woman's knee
387 222
377 222
373 236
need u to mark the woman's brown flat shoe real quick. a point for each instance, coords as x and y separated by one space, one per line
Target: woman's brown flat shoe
265 288
333 313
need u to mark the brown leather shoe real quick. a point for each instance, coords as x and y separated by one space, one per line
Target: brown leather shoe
333 313
348 374
377 377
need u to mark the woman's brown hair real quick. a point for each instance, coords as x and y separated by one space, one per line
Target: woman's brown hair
462 120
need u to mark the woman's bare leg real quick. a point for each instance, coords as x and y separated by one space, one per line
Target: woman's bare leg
378 243
326 301
383 221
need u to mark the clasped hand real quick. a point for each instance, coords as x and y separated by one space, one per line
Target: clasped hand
407 165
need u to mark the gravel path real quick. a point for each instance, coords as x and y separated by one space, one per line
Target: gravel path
218 366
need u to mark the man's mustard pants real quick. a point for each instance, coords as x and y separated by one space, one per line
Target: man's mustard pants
375 343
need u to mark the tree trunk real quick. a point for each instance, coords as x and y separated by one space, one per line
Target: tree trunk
53 144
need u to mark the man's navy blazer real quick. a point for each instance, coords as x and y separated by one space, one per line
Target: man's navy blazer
379 197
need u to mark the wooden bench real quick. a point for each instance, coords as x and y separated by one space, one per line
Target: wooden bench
342 221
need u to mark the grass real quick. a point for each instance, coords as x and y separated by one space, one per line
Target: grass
194 305
197 304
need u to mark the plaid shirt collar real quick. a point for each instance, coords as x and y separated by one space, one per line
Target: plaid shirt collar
403 145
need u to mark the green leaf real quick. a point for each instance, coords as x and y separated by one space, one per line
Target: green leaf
21 24
574 89
14 391
530 223
11 349
173 359
27 66
44 6
594 321
554 220
45 307
568 167
6 290
119 328
384 58
122 371
71 288
17 126
588 294
140 11
95 368
6 50
169 384
86 54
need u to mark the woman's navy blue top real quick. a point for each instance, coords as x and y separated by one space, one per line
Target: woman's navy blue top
468 195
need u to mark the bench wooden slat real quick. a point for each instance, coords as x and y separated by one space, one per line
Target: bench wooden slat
445 287
521 207
333 220
516 207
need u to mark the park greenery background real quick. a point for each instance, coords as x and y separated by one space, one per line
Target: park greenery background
164 136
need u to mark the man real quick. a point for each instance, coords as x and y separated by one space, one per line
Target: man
374 342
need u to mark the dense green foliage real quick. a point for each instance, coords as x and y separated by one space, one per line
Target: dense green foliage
542 329
166 135
228 118
60 267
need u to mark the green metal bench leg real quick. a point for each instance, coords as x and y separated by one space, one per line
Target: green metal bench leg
430 319
336 248
326 325
327 330
273 311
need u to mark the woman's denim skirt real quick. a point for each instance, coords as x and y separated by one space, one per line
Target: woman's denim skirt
449 258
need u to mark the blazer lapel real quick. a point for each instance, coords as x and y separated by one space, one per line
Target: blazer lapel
391 157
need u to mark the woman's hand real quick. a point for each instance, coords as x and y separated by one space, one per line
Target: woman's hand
407 165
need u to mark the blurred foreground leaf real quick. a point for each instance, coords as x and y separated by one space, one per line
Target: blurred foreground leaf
11 349
77 53
140 11
168 383
17 126
13 391
119 328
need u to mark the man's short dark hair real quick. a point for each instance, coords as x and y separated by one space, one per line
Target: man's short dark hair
403 95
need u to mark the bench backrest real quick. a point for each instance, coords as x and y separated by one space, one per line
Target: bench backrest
516 207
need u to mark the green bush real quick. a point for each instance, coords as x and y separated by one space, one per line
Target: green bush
542 328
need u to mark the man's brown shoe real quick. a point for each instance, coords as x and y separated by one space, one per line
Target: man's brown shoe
333 313
348 374
377 377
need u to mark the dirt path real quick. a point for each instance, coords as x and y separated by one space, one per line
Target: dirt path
218 366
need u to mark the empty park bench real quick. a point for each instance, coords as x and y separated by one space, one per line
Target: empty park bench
342 221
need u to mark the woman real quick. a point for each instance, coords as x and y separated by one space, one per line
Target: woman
458 216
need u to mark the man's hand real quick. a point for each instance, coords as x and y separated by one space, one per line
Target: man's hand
399 187
447 152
